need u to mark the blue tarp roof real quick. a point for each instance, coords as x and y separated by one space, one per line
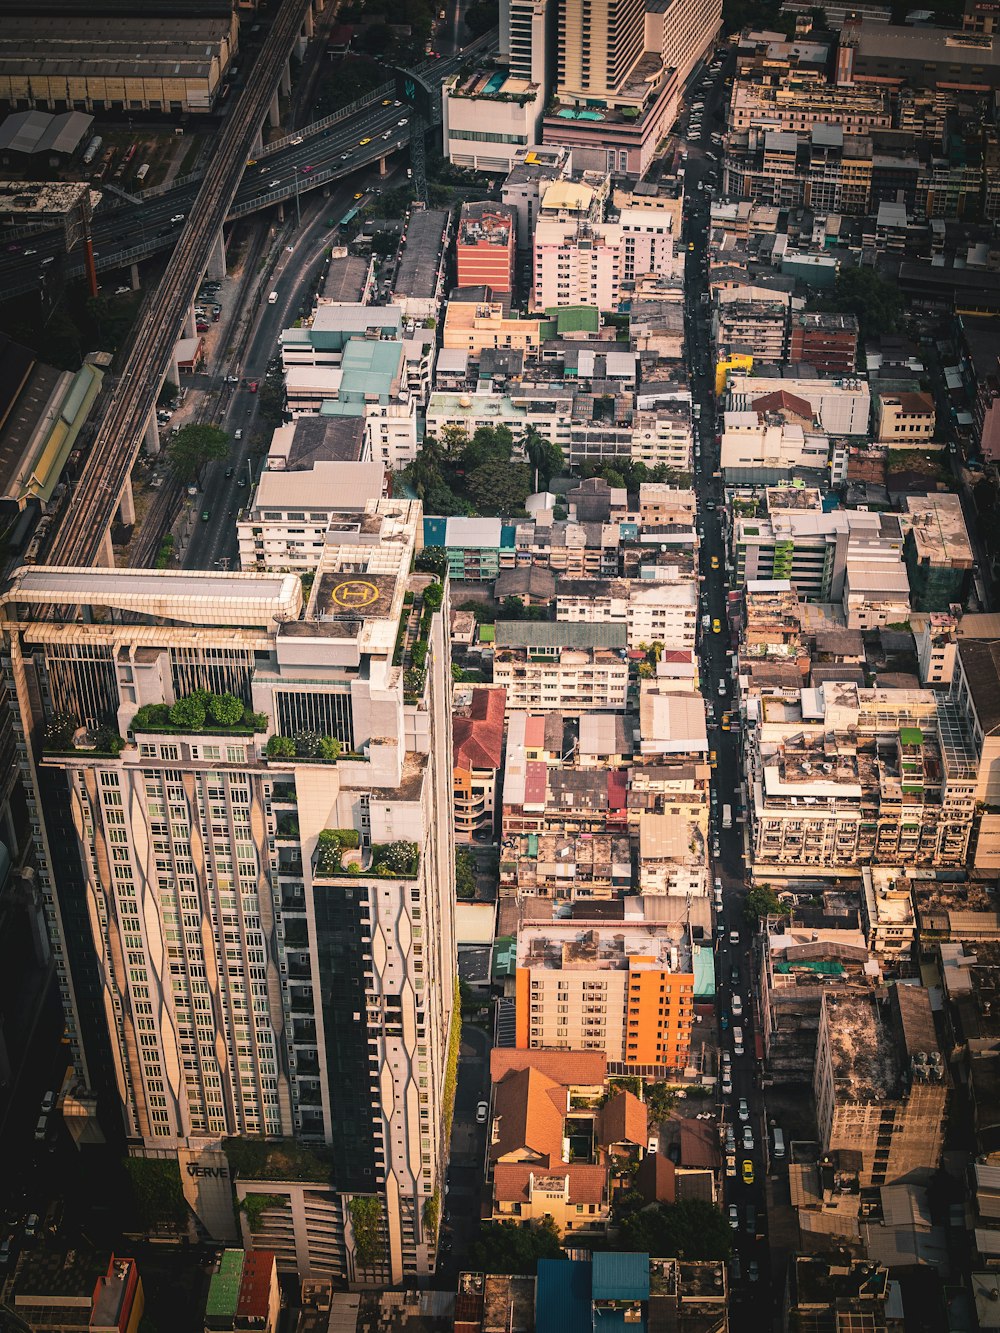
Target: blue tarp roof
508 535
562 1296
620 1277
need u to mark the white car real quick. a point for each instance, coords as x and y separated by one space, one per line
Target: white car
737 1005
482 1111
178 217
744 1110
404 121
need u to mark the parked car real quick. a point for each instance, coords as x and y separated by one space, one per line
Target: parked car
744 1110
482 1111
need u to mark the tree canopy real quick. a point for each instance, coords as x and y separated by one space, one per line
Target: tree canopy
544 457
691 1229
192 447
762 901
861 292
500 488
509 1247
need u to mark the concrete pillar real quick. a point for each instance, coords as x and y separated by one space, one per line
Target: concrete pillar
258 144
319 6
152 440
217 257
383 166
126 508
274 112
309 26
133 275
285 83
191 324
106 555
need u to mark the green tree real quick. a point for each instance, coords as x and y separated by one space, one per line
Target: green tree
490 444
500 488
875 302
465 873
432 560
158 1192
509 1247
193 447
544 457
189 712
762 901
366 1223
691 1229
226 709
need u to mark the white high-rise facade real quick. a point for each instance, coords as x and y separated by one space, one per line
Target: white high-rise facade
251 907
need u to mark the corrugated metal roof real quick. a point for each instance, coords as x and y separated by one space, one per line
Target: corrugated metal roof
558 634
562 1296
224 1288
620 1277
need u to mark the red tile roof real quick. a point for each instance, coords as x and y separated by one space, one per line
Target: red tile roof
478 737
511 1183
700 1144
623 1120
570 1068
529 1110
783 401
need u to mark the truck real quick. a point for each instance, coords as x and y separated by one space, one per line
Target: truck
272 299
727 816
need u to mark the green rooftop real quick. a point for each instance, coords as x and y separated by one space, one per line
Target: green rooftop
911 736
575 318
224 1288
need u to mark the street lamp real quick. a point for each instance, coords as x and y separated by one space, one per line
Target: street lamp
298 215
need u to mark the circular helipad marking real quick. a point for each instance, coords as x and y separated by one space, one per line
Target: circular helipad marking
354 594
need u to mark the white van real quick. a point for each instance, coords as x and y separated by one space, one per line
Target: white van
779 1144
738 1048
272 299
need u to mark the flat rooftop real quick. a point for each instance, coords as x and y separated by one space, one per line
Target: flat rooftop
621 946
418 266
187 596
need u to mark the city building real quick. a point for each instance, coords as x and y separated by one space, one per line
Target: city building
892 57
477 746
566 867
755 328
823 339
652 612
881 1084
840 1289
71 1289
485 246
243 1293
937 649
490 116
599 46
123 62
851 776
938 553
540 1102
418 286
475 326
563 666
905 419
477 548
625 988
530 172
976 691
764 448
216 868
290 512
838 406
811 547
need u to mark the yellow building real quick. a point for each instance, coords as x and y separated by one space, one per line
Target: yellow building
741 361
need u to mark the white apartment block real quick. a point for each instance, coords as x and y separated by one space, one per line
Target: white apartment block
576 263
657 612
838 406
255 982
755 449
848 777
286 523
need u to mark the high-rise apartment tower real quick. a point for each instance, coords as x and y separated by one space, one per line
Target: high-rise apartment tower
245 828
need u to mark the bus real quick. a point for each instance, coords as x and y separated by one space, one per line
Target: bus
727 816
142 173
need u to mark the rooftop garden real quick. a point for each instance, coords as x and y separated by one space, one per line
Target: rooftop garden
200 711
62 734
387 860
413 639
277 1159
309 745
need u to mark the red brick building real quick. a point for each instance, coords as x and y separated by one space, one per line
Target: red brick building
486 246
825 340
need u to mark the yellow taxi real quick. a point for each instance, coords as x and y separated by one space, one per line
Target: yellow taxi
726 722
251 161
387 101
747 1171
365 141
690 245
358 195
716 625
715 562
713 759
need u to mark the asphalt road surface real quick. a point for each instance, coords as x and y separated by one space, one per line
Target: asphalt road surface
733 936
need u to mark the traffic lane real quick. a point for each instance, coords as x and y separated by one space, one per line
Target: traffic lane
467 1149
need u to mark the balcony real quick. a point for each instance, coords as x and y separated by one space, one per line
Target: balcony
287 828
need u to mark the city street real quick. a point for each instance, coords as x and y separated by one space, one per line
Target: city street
734 958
